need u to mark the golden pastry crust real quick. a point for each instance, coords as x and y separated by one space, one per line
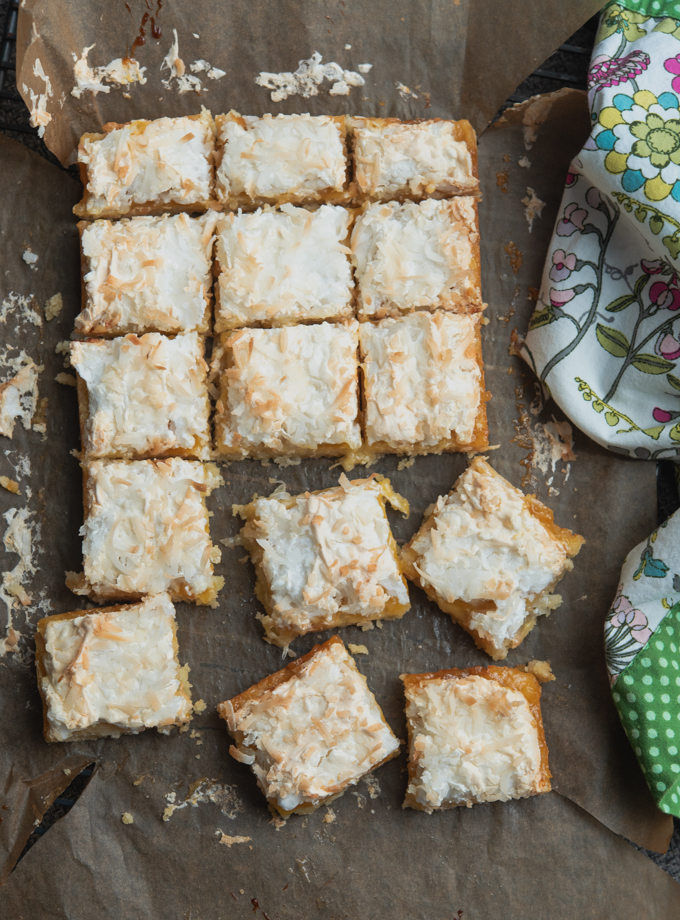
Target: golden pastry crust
193 193
418 405
101 729
348 584
298 783
514 679
565 544
430 179
340 192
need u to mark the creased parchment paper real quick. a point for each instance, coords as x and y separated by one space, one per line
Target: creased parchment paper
366 857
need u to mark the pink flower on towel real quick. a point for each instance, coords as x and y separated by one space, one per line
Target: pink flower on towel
572 220
563 265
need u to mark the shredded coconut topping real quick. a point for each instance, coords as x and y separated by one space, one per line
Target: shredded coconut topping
162 162
298 156
326 554
472 740
40 117
147 395
290 390
422 379
486 548
314 734
146 528
283 266
308 78
147 273
120 72
116 670
19 398
414 256
420 159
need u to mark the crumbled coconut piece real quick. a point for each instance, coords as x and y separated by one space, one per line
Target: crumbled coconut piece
21 308
404 91
417 256
364 68
230 841
127 818
53 307
533 207
200 706
422 379
524 162
541 671
40 117
391 156
30 258
121 71
67 380
146 395
357 649
472 740
19 398
330 817
10 485
307 79
147 274
312 735
185 82
298 156
146 529
202 792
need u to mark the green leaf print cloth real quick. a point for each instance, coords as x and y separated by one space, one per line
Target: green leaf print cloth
642 644
605 342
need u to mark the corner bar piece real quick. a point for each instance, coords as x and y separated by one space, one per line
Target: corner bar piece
292 391
414 159
112 671
491 556
146 531
285 266
146 274
475 735
143 396
310 730
417 257
283 158
148 167
423 384
325 559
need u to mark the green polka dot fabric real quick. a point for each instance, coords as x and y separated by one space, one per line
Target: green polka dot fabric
647 696
653 7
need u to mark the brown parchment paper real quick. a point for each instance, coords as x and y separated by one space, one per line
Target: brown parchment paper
461 58
541 858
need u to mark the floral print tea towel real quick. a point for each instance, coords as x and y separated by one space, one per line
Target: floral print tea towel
642 644
605 337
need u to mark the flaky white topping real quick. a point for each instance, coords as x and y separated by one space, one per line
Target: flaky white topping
291 389
147 395
297 155
421 379
473 740
486 545
419 159
282 266
315 734
410 256
166 161
117 668
19 398
147 273
146 528
328 554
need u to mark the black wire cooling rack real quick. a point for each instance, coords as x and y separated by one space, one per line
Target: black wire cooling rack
567 66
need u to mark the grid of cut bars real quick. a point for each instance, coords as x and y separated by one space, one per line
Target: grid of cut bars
344 270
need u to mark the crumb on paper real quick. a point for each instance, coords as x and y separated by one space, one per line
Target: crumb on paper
368 626
40 117
502 180
533 206
127 818
406 463
357 649
200 706
348 47
516 344
212 73
330 816
278 822
140 779
541 670
365 68
66 771
30 258
53 307
307 79
10 485
524 162
21 308
66 380
404 91
120 71
553 441
232 542
283 462
372 785
19 398
204 791
535 114
230 841
173 62
304 865
515 255
361 799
